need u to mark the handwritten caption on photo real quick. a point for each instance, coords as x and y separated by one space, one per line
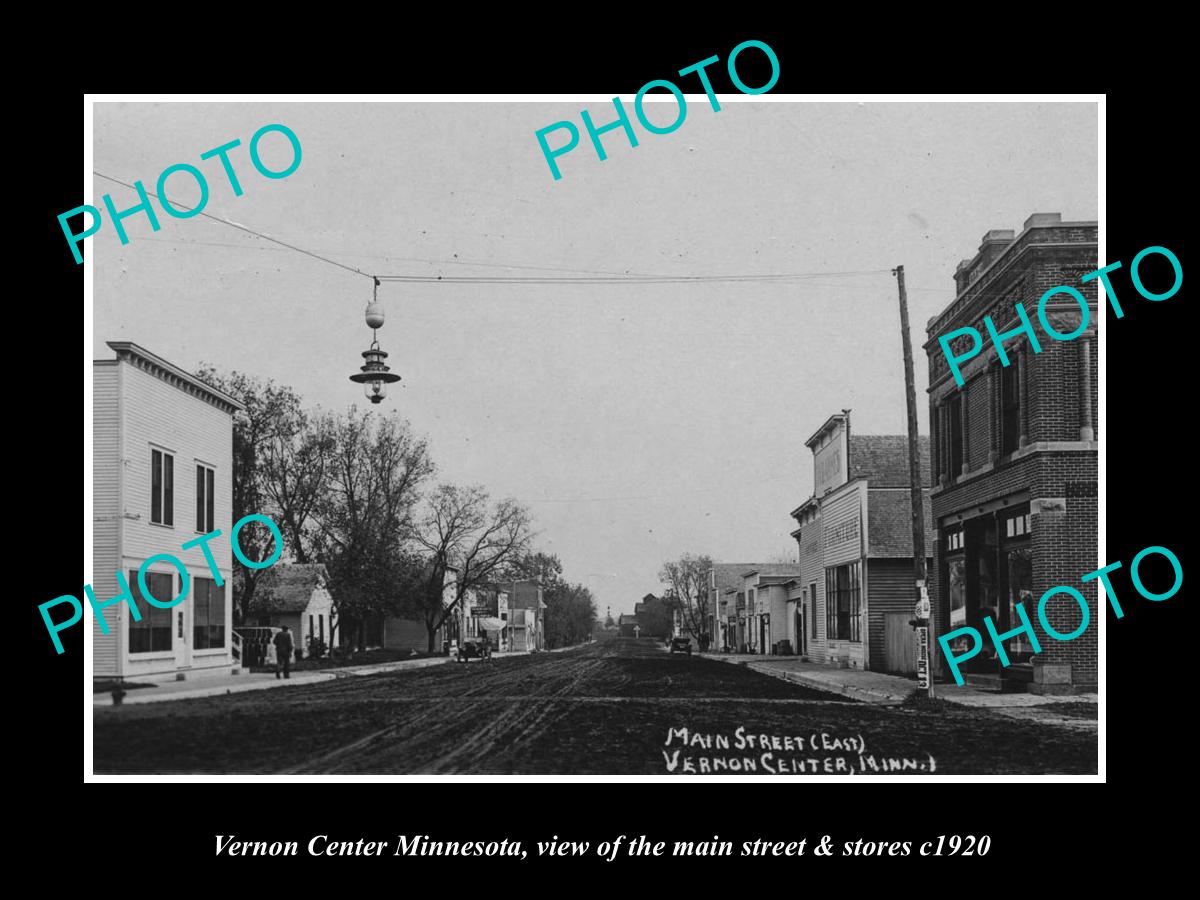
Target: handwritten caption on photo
745 752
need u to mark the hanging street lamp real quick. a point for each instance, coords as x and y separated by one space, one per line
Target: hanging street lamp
375 375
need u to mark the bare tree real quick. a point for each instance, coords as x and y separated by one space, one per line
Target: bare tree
295 462
461 527
687 585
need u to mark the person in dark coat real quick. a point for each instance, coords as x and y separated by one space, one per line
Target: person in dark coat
283 653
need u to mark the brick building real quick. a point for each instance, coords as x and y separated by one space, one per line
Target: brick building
1015 457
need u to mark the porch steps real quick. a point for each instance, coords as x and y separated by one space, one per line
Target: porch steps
1014 679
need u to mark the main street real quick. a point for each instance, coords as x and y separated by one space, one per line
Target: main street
618 706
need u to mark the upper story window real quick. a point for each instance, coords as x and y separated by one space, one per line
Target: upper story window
205 480
1010 407
954 434
954 540
162 487
1016 526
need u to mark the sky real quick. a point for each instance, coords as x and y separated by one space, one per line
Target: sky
637 422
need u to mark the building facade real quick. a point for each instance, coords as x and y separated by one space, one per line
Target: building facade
1015 456
525 615
854 590
296 595
162 465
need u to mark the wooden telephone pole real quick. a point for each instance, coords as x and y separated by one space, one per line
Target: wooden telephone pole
923 617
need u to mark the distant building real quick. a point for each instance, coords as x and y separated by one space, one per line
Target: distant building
771 626
749 607
525 615
296 595
400 633
627 625
1015 456
855 587
162 468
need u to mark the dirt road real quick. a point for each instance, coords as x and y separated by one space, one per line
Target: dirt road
614 707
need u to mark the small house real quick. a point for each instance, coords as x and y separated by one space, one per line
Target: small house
295 595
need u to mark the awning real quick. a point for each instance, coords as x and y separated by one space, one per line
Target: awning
491 623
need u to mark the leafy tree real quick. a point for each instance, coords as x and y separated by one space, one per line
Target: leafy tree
654 617
364 517
570 614
272 417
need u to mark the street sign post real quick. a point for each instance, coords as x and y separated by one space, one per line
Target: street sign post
922 657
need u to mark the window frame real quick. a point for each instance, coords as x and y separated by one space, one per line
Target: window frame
206 482
210 590
150 615
1010 405
812 599
162 487
955 440
843 588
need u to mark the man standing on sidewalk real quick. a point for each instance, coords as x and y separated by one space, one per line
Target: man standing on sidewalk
283 653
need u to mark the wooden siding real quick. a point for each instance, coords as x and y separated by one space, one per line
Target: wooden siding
408 634
151 412
891 592
812 571
106 522
842 515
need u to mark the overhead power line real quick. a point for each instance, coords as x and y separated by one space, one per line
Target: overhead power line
591 279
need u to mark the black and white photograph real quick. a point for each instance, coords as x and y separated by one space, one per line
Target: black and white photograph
735 436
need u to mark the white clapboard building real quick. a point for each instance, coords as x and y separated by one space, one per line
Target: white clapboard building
162 470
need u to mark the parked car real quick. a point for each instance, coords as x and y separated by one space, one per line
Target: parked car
681 645
473 648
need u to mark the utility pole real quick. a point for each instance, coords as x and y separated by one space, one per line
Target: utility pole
923 620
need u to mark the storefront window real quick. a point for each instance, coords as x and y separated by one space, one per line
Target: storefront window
957 580
1020 592
989 588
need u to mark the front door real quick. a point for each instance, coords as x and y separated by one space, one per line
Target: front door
180 638
801 638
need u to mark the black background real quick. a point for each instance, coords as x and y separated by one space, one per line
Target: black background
1147 438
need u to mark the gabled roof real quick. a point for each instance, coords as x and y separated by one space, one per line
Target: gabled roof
889 525
792 568
882 459
728 576
288 587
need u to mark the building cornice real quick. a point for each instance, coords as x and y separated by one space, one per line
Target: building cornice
141 358
994 271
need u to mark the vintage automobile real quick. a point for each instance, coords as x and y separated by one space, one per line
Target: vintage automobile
681 645
473 648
